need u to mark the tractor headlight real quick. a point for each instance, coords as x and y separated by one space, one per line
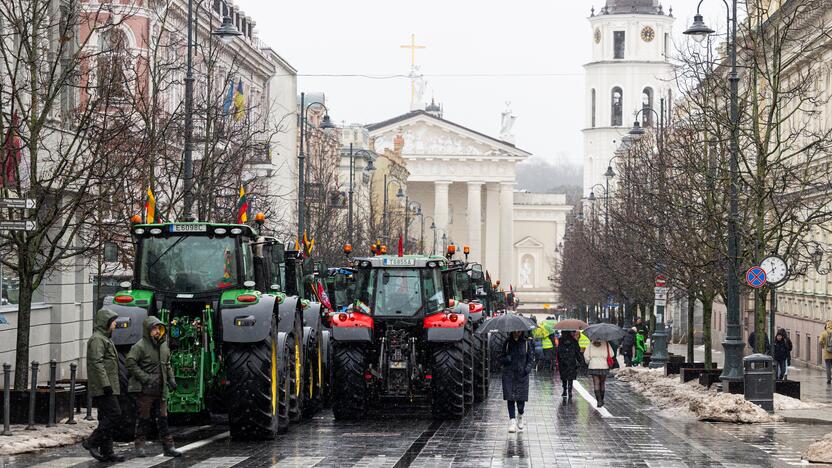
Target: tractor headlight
138 231
220 231
236 231
155 231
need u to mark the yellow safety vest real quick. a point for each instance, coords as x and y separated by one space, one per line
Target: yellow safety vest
547 343
583 341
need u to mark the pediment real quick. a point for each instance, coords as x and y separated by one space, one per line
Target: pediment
528 242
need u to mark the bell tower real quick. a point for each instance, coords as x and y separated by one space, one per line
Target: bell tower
629 70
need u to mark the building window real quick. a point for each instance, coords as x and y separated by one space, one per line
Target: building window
593 108
112 64
797 340
618 44
617 109
666 46
646 106
110 252
808 348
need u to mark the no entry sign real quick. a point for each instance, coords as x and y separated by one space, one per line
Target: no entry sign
755 277
661 281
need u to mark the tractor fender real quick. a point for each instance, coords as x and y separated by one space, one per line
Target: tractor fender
288 311
325 346
352 334
308 336
312 316
248 324
445 335
128 324
282 338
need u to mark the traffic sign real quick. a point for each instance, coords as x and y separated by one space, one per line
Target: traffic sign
17 225
661 281
755 277
22 203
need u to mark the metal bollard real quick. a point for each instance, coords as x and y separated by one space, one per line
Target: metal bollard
7 390
53 376
72 369
88 417
32 395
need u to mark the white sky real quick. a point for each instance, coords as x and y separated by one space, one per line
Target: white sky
524 37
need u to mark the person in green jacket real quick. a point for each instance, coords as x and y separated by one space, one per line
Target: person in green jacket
640 348
102 383
151 376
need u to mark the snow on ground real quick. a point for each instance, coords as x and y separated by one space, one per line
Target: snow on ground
691 400
820 451
22 441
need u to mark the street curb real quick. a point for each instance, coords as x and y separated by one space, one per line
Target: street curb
816 421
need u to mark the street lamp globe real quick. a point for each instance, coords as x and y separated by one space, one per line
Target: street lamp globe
698 30
591 196
400 194
370 167
227 31
637 130
433 225
610 173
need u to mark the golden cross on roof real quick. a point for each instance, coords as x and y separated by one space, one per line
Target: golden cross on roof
412 48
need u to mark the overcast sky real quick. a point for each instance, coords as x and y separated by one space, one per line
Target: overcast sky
541 45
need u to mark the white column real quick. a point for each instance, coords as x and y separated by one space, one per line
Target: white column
475 220
507 233
440 210
492 230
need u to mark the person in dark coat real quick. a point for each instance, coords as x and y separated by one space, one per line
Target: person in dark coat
517 360
780 353
626 347
752 338
569 358
788 347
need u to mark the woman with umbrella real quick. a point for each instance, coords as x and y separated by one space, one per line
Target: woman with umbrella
569 358
599 356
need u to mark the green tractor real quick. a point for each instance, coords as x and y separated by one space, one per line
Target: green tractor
236 340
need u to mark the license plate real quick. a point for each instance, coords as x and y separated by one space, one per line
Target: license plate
398 365
188 228
399 261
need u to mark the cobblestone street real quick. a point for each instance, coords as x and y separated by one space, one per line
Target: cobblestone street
625 433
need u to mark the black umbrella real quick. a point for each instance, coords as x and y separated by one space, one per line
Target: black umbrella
604 332
507 323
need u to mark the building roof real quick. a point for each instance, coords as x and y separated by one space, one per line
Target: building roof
415 113
630 7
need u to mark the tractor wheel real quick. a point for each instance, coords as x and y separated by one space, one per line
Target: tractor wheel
326 350
496 341
296 379
480 369
284 388
468 339
349 389
448 380
254 376
125 430
313 375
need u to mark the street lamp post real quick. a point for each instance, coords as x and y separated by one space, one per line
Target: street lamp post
385 216
407 207
733 344
226 32
368 168
326 124
433 228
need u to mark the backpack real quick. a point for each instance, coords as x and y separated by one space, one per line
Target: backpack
829 342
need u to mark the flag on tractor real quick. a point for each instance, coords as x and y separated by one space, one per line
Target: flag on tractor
488 277
239 102
150 207
242 207
401 246
12 153
322 295
229 99
226 280
308 245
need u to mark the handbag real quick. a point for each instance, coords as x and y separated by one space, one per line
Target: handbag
610 360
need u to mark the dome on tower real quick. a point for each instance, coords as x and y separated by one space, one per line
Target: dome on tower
631 7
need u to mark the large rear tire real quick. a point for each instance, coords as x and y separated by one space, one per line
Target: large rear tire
125 431
253 371
468 339
313 376
349 386
296 379
284 388
326 350
480 368
448 382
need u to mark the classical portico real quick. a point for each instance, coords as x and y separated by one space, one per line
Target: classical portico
464 181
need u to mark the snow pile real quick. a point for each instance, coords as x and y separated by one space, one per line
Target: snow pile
22 441
820 451
690 399
782 402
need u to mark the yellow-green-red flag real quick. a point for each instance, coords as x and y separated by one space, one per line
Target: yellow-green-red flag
150 207
242 207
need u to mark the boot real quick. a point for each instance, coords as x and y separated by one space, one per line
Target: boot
564 389
109 454
89 445
603 393
569 389
601 399
598 402
168 448
141 437
512 425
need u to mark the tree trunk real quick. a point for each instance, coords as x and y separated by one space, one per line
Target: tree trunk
707 313
643 311
24 320
652 325
760 332
691 325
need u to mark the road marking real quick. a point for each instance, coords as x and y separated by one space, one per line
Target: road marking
64 462
298 462
582 391
220 462
159 459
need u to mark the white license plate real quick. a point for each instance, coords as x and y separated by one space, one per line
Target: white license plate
398 365
188 228
399 261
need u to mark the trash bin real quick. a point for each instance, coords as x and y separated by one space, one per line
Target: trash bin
759 380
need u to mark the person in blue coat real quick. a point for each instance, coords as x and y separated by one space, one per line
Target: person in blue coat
517 360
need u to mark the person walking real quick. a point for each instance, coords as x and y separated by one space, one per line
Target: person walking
627 345
780 353
103 385
641 327
569 358
151 376
825 340
517 363
640 348
789 348
598 357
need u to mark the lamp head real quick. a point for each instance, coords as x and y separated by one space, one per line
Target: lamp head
227 31
400 194
591 196
370 167
637 130
698 30
610 173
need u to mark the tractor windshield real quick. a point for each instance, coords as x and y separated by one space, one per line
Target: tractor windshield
400 292
188 264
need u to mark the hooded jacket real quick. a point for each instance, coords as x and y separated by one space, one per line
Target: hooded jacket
823 338
102 357
780 348
149 362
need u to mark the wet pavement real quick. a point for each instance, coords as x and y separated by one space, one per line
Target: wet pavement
626 433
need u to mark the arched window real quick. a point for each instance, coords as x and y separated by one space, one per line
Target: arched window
112 60
647 104
593 108
617 107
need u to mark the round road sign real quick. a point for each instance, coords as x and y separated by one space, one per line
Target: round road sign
755 277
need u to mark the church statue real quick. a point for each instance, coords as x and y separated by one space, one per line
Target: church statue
506 123
418 85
